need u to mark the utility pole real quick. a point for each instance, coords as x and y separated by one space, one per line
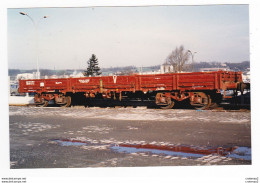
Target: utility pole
192 59
35 24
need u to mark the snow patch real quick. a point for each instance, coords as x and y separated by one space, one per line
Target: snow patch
20 100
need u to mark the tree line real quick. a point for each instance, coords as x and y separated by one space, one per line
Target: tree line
177 58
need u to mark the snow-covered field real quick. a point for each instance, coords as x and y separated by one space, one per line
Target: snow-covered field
134 114
91 137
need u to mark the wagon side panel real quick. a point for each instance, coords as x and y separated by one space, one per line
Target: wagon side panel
103 84
196 81
158 82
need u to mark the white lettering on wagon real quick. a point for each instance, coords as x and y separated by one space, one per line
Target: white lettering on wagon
58 82
84 80
30 82
114 78
160 88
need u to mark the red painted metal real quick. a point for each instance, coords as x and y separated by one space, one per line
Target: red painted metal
177 86
196 81
184 149
221 151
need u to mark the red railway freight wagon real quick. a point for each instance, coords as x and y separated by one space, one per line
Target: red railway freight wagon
201 89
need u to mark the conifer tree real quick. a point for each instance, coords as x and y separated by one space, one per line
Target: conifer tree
93 69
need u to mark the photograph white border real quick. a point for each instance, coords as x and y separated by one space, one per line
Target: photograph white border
179 174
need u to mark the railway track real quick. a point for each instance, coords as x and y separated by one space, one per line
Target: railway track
223 107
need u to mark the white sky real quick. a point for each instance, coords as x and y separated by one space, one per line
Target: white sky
121 36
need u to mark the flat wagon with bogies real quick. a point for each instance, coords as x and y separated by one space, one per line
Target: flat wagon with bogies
201 89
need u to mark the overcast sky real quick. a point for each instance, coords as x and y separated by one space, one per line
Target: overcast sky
122 36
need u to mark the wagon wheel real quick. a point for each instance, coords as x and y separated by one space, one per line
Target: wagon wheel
67 102
201 101
44 104
164 102
168 106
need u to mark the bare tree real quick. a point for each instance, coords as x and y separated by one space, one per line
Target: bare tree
178 58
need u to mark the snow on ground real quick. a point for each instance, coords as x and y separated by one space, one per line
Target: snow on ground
32 127
20 100
134 114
